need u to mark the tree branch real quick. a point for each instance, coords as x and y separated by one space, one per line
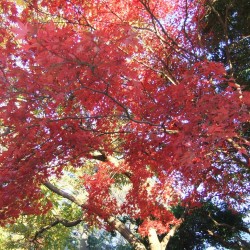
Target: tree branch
156 22
64 222
224 24
170 234
154 242
233 228
111 220
126 233
230 245
60 192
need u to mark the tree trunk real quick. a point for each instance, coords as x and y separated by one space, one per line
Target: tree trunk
126 233
84 238
154 242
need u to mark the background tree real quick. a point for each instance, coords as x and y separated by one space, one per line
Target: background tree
131 87
228 38
217 226
52 230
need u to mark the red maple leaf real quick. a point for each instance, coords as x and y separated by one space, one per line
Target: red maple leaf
21 30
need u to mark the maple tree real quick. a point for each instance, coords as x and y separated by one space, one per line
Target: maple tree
128 85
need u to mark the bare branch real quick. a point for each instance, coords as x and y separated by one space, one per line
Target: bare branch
126 233
64 222
62 193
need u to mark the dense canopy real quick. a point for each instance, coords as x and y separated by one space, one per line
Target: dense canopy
132 94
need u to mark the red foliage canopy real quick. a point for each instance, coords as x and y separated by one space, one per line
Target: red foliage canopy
117 79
